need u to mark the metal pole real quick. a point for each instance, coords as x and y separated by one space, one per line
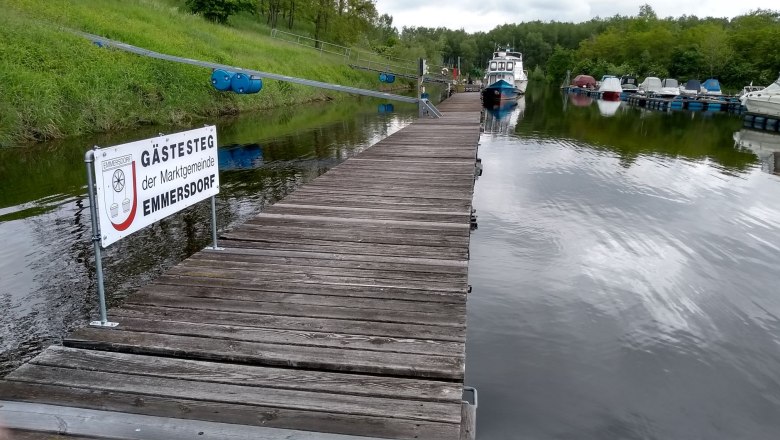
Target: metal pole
214 224
89 159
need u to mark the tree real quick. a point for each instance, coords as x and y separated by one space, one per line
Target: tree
218 10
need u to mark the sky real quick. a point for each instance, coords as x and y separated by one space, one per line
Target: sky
484 15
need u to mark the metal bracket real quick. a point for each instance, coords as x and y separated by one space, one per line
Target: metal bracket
103 324
473 391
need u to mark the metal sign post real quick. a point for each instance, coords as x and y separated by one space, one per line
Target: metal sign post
89 160
134 185
214 246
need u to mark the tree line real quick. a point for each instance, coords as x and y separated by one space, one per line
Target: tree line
737 51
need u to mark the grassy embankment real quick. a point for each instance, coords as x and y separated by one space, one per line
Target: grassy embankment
55 84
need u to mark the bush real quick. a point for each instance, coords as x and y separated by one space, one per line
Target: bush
218 10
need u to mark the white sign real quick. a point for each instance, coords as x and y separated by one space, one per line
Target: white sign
142 182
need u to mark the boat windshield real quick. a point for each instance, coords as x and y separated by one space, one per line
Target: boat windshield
773 88
669 82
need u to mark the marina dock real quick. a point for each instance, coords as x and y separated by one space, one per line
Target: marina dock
337 313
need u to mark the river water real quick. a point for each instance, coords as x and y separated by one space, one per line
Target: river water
624 270
47 275
625 276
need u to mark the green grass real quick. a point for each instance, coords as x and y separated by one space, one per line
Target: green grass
54 83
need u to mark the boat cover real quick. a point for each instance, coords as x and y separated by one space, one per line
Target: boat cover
584 81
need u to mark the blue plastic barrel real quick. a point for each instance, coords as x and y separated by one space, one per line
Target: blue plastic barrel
389 78
244 84
220 79
383 77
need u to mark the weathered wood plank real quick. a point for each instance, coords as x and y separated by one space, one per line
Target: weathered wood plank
249 375
313 221
253 353
445 318
239 414
348 326
248 249
285 287
366 238
373 303
191 269
285 337
387 214
375 249
231 262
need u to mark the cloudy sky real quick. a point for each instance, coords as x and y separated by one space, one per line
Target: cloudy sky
484 15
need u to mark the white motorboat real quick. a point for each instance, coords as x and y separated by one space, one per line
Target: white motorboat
650 86
628 84
669 88
505 78
610 88
765 102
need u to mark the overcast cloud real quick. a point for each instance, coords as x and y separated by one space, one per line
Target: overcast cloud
484 15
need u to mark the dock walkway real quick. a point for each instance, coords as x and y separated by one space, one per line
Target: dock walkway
339 310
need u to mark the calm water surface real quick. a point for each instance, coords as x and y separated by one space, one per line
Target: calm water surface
47 279
625 276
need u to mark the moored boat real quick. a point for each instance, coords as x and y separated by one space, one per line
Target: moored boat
628 84
650 86
505 77
669 88
765 102
711 87
584 82
610 89
691 88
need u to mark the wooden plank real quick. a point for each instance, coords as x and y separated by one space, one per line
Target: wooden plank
320 259
188 291
227 413
446 317
283 287
248 274
321 221
250 248
253 353
391 276
248 375
375 249
361 236
285 337
347 326
238 394
46 422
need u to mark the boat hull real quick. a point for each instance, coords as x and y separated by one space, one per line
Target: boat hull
500 91
766 105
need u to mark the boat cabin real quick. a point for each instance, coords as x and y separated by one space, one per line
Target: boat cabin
670 82
501 66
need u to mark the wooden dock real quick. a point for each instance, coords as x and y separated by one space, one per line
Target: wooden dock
339 311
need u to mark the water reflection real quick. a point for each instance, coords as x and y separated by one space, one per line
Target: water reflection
46 262
608 108
624 279
502 118
764 145
632 132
